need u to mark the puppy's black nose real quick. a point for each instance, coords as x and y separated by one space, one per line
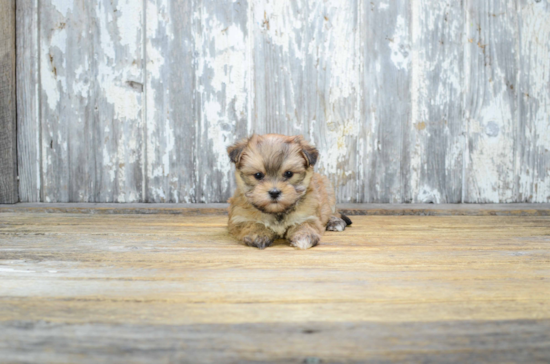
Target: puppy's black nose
274 193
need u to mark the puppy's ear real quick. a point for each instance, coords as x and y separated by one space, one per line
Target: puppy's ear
309 152
235 151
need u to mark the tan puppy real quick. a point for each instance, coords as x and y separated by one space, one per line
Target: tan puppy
278 195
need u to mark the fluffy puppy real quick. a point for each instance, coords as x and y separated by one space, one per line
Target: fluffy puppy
278 195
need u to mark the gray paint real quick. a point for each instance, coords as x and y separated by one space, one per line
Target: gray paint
171 97
8 158
28 115
424 101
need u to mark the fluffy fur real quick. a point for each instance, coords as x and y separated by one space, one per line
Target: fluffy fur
278 195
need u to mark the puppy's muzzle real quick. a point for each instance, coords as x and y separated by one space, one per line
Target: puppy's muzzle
274 193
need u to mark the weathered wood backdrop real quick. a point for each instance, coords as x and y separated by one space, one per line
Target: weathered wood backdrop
408 101
8 154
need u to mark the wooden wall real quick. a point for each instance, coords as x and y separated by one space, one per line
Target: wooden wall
8 163
437 101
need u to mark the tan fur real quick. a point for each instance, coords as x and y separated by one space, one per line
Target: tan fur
306 203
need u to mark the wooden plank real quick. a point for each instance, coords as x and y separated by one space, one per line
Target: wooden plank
333 67
91 91
348 209
533 159
222 81
8 142
437 135
79 287
514 341
491 101
171 94
385 168
278 78
307 80
28 109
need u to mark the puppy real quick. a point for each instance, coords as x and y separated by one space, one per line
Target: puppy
278 195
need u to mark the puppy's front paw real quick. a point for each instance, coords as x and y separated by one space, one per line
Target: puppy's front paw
305 240
258 241
336 224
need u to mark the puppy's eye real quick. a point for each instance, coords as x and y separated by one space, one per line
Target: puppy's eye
259 176
288 174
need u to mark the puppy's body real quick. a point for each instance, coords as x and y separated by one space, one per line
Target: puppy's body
278 195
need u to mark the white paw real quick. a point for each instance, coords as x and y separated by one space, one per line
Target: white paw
336 224
301 244
305 241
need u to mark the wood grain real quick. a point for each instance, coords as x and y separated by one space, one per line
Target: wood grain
525 209
92 94
223 93
28 108
534 102
491 107
386 162
520 341
171 101
8 143
388 288
408 102
437 129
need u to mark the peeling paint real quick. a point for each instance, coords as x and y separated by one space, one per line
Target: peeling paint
423 102
400 45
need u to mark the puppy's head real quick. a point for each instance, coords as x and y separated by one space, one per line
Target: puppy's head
273 171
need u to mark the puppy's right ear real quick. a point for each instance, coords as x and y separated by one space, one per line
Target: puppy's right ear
236 150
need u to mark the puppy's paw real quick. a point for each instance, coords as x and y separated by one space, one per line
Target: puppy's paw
336 224
258 241
305 240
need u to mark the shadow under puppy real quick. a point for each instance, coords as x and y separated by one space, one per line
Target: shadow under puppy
278 195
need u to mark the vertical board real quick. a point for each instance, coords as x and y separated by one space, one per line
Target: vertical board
8 157
385 170
222 78
170 93
437 135
91 100
118 119
332 90
307 80
279 49
64 42
491 102
534 102
28 112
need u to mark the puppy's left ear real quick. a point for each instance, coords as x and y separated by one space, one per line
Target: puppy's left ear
309 152
235 151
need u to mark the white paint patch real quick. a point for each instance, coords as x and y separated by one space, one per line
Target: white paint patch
282 21
49 81
428 195
52 67
63 6
129 14
400 45
81 85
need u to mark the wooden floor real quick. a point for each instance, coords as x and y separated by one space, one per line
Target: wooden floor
173 288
